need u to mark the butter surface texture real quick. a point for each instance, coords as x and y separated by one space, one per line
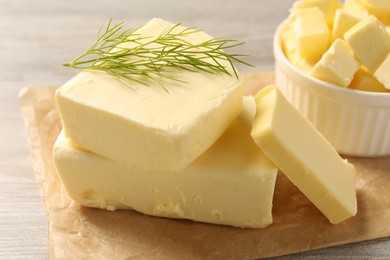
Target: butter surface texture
369 41
382 74
337 65
231 184
145 126
312 33
304 155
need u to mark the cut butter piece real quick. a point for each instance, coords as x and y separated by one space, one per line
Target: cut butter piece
145 126
232 183
311 31
327 7
337 65
369 41
304 156
344 20
382 74
365 81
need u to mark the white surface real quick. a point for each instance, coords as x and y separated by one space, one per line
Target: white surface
36 37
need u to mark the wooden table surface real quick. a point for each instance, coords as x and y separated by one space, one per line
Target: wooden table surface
36 37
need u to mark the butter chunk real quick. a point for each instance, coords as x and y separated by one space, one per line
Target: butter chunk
355 6
313 36
145 126
304 156
232 183
364 80
379 8
327 7
337 65
369 41
344 20
383 72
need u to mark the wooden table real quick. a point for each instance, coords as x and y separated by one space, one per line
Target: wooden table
36 37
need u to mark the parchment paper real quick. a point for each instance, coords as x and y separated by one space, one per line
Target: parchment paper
76 232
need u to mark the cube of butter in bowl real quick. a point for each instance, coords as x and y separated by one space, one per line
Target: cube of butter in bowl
355 122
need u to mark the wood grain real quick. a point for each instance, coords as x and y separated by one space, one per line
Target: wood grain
37 36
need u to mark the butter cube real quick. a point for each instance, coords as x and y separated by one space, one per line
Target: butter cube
232 183
313 36
304 156
380 4
379 8
364 80
145 126
383 72
290 45
355 6
327 7
337 65
369 41
344 20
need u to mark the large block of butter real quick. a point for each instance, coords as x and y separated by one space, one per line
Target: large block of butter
337 65
304 155
369 41
231 184
145 126
312 33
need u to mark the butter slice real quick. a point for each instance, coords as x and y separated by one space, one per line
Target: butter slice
369 41
365 81
337 65
231 184
304 155
145 126
382 74
312 33
344 20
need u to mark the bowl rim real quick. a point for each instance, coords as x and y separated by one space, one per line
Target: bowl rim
278 52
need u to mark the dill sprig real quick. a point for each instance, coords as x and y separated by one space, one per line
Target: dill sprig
131 57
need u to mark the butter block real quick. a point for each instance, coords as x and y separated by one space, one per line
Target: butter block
232 183
337 65
382 74
145 126
364 80
327 7
313 36
369 41
304 156
344 20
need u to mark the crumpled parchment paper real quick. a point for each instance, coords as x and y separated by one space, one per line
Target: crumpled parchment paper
77 232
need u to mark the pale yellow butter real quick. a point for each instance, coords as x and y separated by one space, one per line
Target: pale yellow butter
369 41
355 6
145 126
304 155
311 31
382 74
327 7
232 183
364 80
337 65
379 8
344 20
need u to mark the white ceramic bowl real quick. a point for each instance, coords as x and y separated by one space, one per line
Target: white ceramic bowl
355 122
